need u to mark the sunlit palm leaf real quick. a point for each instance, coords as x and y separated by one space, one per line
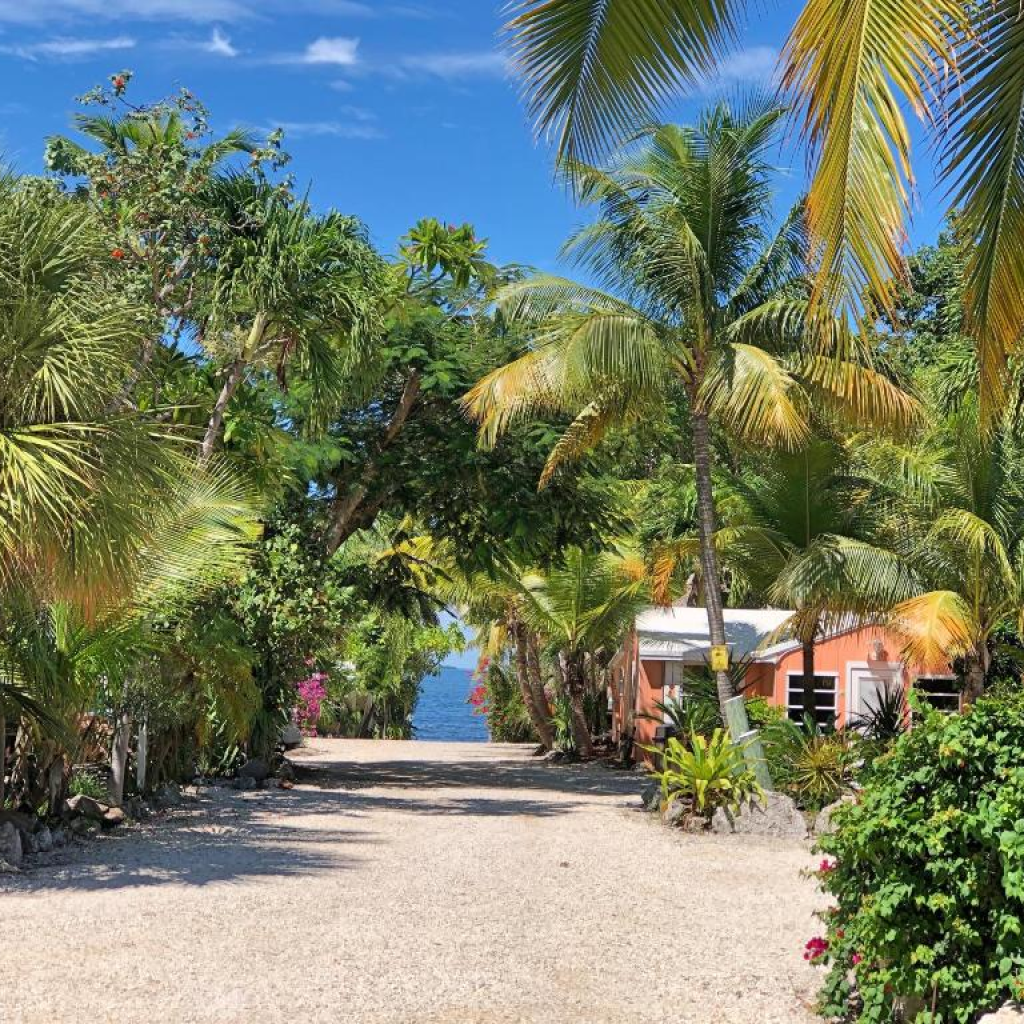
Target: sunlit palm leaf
935 627
848 67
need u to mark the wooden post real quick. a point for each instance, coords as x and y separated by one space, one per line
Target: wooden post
119 758
140 756
753 751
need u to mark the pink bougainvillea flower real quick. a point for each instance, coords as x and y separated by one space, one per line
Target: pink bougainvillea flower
827 866
815 948
856 959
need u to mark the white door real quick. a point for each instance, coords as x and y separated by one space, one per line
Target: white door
868 686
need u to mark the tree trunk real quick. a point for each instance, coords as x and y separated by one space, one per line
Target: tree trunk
538 717
215 425
809 696
3 756
119 758
574 680
974 675
540 698
707 526
344 519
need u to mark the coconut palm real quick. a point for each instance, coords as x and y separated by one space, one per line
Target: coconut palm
696 291
967 547
593 72
579 607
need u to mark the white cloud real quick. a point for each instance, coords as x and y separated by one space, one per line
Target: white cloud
69 49
340 51
34 12
220 45
360 126
485 64
753 64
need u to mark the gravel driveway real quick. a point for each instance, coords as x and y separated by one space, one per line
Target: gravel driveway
410 883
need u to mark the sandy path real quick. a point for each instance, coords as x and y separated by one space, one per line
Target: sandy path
412 883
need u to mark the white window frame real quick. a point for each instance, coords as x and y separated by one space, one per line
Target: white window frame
953 692
834 676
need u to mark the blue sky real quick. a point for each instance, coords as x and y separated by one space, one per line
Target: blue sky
393 109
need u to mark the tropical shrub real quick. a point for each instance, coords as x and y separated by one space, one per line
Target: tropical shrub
707 773
928 873
813 766
498 697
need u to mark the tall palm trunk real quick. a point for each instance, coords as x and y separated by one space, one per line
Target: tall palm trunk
706 527
538 717
809 695
976 668
540 698
574 680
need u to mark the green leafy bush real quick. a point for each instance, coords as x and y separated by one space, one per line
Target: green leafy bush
814 767
707 774
929 873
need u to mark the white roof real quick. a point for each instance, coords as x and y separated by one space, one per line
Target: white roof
681 634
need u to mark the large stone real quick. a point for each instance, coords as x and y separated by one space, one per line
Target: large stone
82 806
1010 1013
291 736
823 822
8 869
29 844
114 817
677 813
10 845
44 840
650 797
168 795
256 768
777 816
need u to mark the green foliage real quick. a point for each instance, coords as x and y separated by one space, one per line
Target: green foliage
928 876
507 717
84 783
708 773
814 766
885 718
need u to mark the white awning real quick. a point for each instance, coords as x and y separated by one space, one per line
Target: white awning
681 634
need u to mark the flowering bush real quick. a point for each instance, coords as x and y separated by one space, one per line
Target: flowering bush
311 693
497 697
928 874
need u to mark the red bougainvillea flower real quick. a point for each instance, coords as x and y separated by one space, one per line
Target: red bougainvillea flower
815 948
827 866
117 254
118 82
856 959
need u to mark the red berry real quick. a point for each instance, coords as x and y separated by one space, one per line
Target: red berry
117 254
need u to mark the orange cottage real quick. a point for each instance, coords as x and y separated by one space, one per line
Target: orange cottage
852 667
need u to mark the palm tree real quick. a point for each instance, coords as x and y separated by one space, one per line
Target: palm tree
290 285
593 72
580 607
702 294
806 531
967 549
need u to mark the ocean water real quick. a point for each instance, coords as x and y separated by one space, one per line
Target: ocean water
442 712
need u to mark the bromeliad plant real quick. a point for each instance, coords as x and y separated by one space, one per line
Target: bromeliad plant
707 773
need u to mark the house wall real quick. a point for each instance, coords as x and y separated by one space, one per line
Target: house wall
649 692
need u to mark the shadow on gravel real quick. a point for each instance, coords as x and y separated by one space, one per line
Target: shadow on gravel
480 773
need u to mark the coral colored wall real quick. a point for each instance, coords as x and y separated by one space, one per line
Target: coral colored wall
650 690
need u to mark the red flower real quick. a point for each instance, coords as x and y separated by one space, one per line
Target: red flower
856 959
118 81
827 866
815 948
117 254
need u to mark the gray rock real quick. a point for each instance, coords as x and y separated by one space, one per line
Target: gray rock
678 813
245 782
823 822
286 773
83 826
650 797
777 816
10 845
257 769
1010 1013
291 736
29 844
44 840
168 795
8 869
83 806
59 838
114 817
